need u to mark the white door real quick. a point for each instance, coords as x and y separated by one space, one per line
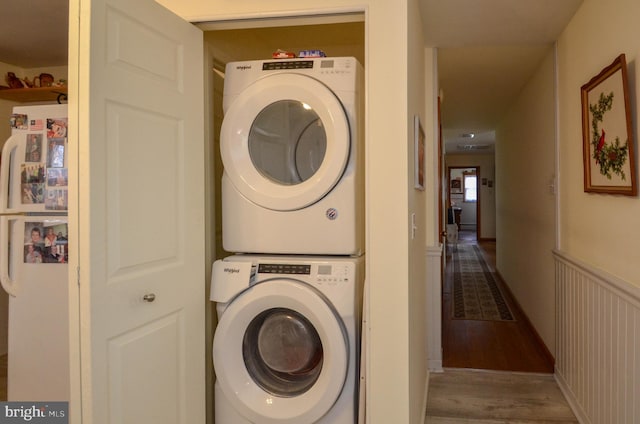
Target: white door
138 213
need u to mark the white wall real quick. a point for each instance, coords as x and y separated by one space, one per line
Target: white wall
419 61
391 354
525 206
598 229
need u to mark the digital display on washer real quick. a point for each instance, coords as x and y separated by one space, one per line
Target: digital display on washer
324 269
284 269
293 64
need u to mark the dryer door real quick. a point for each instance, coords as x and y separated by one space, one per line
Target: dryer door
280 353
285 141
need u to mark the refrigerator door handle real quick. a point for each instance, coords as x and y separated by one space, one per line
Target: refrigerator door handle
9 285
8 157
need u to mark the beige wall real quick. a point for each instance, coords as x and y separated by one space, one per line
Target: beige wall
487 194
395 367
419 60
598 229
525 205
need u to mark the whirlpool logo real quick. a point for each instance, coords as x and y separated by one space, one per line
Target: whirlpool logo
231 270
34 412
243 67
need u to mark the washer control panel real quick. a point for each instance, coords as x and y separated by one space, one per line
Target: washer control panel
297 269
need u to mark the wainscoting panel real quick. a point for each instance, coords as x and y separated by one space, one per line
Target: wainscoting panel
598 342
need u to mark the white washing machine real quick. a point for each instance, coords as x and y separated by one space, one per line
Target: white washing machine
292 150
286 348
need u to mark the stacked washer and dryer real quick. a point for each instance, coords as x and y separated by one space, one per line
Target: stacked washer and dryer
289 301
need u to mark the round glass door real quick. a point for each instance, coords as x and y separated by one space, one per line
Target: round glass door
285 141
282 352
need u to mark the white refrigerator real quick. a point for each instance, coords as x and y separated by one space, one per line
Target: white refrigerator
34 252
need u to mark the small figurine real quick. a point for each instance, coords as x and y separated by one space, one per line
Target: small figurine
13 80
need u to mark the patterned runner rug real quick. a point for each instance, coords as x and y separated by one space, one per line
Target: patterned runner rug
476 294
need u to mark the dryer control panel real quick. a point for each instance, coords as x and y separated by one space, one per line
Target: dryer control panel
331 273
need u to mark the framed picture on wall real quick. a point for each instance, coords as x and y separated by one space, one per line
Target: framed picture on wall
456 185
607 132
419 151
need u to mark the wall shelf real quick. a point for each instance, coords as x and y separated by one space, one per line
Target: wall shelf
36 94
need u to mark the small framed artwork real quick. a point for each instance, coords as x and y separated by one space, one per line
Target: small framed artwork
456 185
419 139
607 132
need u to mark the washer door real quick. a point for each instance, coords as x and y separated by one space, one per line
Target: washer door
285 141
281 353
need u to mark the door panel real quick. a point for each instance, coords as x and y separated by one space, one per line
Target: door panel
140 214
132 371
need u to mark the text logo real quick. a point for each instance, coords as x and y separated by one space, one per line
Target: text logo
231 270
34 412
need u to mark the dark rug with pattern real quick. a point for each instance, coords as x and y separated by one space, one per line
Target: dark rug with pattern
476 294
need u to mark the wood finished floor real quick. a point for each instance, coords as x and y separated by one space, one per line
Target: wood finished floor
459 396
489 345
495 372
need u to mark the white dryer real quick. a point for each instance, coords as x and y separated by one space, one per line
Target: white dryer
286 348
292 150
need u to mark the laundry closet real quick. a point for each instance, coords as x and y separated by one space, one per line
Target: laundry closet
257 224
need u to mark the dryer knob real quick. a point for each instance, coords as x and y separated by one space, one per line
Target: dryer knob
150 297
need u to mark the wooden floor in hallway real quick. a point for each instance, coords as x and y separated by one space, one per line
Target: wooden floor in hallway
489 345
459 396
495 372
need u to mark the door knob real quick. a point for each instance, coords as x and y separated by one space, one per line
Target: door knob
150 297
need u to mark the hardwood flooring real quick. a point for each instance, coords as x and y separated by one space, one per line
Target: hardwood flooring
490 345
495 397
496 372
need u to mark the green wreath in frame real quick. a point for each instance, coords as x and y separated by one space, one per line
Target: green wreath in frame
610 157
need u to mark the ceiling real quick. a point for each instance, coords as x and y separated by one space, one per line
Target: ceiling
487 50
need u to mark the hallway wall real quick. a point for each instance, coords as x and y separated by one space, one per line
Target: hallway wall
599 232
599 229
525 204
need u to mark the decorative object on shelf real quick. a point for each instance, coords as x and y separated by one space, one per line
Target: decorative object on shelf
607 132
419 152
13 81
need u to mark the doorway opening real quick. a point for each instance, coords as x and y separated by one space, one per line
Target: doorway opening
463 201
